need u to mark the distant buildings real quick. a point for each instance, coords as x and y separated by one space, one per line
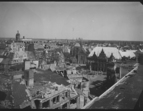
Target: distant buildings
57 75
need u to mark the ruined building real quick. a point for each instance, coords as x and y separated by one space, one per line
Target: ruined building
37 89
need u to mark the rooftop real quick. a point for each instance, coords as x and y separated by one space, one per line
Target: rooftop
122 95
128 53
3 46
19 93
5 91
50 76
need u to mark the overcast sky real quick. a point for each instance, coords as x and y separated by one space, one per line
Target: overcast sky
88 20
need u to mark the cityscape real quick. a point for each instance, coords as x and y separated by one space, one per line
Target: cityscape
79 71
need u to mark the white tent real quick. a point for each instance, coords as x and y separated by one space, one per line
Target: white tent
128 53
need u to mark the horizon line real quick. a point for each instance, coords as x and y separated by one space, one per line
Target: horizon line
74 39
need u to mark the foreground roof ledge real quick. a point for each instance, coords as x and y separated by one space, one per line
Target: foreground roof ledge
129 85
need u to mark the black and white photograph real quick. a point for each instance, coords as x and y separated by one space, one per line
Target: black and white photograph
71 55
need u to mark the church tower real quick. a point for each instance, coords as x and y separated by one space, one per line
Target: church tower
18 36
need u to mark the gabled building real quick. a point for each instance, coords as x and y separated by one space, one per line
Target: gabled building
100 58
36 90
78 54
107 50
98 63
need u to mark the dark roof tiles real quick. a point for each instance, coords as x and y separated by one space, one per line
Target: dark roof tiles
50 76
19 93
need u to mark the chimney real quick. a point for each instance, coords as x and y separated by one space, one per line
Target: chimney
29 77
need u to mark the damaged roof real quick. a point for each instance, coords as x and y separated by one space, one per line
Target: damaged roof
19 93
30 55
5 91
3 46
50 76
8 59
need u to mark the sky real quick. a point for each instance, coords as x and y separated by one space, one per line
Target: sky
71 20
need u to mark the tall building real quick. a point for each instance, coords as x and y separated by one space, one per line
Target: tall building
18 36
78 53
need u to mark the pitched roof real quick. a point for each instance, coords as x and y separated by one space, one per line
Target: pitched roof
107 50
3 46
102 54
19 93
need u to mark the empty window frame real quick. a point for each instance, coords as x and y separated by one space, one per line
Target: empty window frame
54 100
65 106
58 98
46 104
66 94
37 104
